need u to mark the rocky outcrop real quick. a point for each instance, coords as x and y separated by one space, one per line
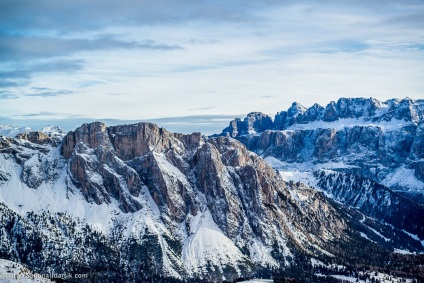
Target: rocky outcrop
35 137
254 122
418 166
93 135
296 114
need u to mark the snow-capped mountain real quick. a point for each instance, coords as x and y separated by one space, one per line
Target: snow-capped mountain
382 141
12 131
137 202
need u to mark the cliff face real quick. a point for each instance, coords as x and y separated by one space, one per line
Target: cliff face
185 175
374 150
373 199
255 122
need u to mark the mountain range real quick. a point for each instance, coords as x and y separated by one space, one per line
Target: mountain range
266 197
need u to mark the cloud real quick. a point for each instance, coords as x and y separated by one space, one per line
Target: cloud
21 54
96 14
201 108
20 75
82 15
415 20
7 82
94 82
19 47
40 88
54 66
43 115
50 93
7 95
264 96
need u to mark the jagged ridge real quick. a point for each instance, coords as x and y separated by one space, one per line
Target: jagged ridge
368 109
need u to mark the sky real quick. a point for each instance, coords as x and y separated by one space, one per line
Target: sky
136 60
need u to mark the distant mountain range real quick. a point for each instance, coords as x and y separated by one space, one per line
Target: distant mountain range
382 141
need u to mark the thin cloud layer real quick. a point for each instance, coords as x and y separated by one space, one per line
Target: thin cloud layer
80 15
20 74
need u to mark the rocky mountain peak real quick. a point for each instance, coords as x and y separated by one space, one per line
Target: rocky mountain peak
296 109
254 122
408 110
331 112
113 161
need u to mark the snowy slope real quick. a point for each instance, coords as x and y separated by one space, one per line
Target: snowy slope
376 201
207 246
11 131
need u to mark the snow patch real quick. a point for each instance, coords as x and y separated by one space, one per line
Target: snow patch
404 252
208 246
403 179
350 123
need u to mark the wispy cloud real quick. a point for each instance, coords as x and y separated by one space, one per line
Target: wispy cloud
18 75
25 71
44 115
414 20
8 82
50 93
19 47
201 108
7 95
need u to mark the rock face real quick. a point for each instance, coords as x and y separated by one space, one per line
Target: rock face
355 145
254 122
35 137
373 199
367 109
378 140
136 200
185 175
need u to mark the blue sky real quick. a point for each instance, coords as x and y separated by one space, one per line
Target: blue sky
138 60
